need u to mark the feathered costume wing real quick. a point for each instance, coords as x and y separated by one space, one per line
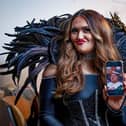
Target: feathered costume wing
34 47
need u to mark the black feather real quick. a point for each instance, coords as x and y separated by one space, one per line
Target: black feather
34 46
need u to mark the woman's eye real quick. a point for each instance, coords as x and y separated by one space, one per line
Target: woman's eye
83 29
86 30
74 30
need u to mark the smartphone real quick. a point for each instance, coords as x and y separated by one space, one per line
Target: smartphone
114 78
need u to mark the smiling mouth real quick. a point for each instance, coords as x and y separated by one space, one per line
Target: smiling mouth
80 42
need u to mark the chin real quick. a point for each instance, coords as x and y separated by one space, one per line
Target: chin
84 51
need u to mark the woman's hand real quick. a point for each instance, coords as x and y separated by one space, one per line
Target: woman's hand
115 102
124 76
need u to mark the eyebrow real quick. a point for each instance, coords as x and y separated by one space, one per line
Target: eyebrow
82 28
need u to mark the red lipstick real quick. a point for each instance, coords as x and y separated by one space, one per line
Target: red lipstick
80 41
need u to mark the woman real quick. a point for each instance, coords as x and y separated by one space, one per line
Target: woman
73 92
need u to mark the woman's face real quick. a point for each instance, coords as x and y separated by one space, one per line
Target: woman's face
81 36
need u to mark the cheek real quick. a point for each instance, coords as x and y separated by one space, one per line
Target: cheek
90 45
73 37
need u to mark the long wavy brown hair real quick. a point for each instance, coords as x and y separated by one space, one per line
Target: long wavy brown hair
69 73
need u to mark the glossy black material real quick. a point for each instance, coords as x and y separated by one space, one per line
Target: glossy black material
85 108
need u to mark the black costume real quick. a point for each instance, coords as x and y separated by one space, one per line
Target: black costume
85 108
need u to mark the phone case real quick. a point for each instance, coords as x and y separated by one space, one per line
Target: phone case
114 78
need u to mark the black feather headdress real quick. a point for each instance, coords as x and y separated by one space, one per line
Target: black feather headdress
33 47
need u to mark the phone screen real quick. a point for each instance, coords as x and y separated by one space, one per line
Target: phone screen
114 78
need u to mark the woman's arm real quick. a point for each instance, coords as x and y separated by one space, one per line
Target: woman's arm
116 110
47 105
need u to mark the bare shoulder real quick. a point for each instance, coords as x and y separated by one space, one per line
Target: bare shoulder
50 70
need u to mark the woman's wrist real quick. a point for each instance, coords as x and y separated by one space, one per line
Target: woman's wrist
113 111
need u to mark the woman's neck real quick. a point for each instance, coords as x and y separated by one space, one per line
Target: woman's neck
88 67
89 56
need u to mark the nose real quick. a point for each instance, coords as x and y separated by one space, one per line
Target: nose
80 35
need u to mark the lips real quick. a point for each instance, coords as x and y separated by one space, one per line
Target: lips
80 41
